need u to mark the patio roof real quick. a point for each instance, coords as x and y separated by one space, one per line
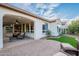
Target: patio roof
11 19
6 5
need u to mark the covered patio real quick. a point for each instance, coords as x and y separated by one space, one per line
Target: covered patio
13 24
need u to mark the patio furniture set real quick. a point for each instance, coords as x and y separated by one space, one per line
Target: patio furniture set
17 36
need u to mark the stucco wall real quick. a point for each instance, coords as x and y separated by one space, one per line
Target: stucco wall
31 35
1 31
38 29
53 28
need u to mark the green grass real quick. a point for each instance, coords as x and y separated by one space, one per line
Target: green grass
65 39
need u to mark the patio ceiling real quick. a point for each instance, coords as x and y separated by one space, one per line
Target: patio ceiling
11 19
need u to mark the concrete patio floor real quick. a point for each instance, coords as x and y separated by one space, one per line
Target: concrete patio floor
32 48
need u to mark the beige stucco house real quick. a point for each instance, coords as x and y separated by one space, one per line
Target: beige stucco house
34 26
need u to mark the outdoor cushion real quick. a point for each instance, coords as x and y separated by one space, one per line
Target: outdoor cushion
21 36
21 33
67 46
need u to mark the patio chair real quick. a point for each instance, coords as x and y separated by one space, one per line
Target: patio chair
21 36
14 36
11 38
70 50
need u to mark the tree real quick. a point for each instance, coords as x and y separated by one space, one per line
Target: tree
74 27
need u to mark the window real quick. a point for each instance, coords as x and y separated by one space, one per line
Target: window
9 28
45 28
59 30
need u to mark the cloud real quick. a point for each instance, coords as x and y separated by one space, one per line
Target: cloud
54 5
42 9
48 12
41 5
49 9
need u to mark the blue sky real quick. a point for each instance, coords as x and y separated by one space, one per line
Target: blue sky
50 11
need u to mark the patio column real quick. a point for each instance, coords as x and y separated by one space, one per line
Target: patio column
1 31
13 28
37 29
4 30
29 27
21 27
24 27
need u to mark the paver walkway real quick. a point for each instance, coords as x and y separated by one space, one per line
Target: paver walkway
33 48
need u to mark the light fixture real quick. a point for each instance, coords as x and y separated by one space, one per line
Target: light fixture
17 22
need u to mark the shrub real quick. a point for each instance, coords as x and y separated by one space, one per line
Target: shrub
48 33
74 27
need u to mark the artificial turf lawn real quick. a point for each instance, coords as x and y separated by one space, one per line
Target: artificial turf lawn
65 39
